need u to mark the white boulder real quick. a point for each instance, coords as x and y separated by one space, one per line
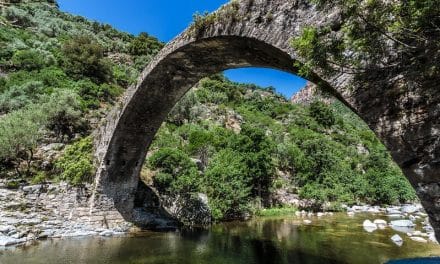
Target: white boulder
397 240
402 223
369 226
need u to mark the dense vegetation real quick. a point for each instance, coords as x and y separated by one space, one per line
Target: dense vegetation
58 74
248 142
237 143
373 36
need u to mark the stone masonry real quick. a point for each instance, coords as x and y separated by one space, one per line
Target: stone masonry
401 108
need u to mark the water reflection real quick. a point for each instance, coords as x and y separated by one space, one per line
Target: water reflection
337 239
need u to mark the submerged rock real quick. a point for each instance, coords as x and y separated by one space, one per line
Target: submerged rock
381 224
402 223
369 226
419 239
397 240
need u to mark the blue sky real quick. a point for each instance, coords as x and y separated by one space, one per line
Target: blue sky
165 19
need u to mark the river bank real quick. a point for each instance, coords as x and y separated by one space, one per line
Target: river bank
332 239
46 211
33 212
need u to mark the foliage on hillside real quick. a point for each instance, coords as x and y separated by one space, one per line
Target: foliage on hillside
328 153
368 33
58 73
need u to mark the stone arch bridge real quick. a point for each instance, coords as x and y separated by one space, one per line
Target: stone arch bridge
404 113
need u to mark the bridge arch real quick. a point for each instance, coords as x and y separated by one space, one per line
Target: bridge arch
257 33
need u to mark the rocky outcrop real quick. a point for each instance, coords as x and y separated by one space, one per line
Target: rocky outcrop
53 210
309 94
190 210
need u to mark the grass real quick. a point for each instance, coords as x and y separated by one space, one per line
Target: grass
277 211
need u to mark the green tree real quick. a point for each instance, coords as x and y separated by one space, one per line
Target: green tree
227 185
76 164
144 44
20 132
177 174
322 113
257 150
82 56
18 96
64 114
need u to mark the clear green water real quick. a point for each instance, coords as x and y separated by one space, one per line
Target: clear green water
335 239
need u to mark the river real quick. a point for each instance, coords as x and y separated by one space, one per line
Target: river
329 239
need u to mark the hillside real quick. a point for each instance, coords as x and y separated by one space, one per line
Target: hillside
242 145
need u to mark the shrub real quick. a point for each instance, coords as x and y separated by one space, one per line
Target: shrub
93 94
82 56
19 96
227 185
28 60
64 114
144 44
75 165
17 16
177 173
322 113
20 132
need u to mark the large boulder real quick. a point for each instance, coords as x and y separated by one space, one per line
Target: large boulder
191 210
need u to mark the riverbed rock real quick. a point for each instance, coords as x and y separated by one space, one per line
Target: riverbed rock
9 241
307 222
419 239
428 228
189 209
397 240
432 238
381 224
393 210
416 233
410 209
402 223
374 210
46 234
395 216
369 226
106 233
6 228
